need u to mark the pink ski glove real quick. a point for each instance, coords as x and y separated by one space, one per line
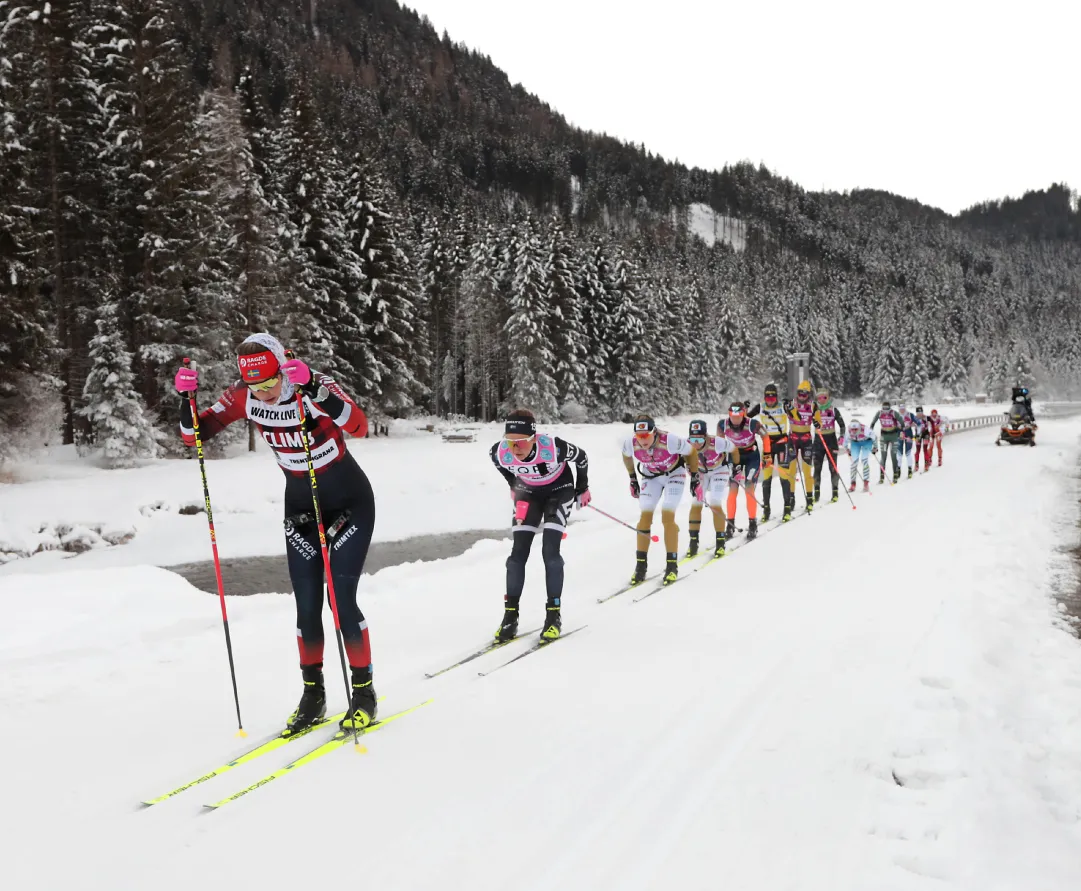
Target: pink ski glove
521 508
699 493
583 499
186 380
298 373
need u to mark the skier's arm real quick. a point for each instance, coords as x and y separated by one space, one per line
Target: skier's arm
228 408
568 451
840 421
874 420
328 398
494 455
628 459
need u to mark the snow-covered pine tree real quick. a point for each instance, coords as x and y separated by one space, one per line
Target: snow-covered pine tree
529 342
25 334
298 161
570 343
121 428
627 347
955 372
397 335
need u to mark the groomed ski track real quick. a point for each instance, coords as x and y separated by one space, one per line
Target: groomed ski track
828 707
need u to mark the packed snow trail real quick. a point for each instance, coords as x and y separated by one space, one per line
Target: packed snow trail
871 699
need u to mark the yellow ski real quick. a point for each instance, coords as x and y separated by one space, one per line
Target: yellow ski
339 739
269 745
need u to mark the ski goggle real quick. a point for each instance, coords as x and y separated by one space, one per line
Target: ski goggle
269 384
770 398
823 398
736 412
511 443
803 394
697 440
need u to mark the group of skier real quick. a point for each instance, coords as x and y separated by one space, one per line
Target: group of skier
303 414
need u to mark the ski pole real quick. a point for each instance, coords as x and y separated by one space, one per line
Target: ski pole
214 547
833 464
324 549
621 523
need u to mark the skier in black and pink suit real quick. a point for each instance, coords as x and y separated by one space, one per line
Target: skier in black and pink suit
537 467
267 394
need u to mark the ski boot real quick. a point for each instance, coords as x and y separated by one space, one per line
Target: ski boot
718 545
765 514
671 569
882 478
866 486
692 551
833 500
508 630
817 495
787 511
313 701
897 477
810 503
910 473
639 568
362 707
939 462
752 529
553 624
852 488
729 530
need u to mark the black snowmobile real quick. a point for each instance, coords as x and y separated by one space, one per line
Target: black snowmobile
1020 428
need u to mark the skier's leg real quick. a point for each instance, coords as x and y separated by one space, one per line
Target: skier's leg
348 551
556 511
306 575
818 455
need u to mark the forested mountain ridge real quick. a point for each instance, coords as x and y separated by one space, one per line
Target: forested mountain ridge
175 175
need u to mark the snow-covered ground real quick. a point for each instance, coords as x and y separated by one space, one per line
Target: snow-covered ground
422 485
871 700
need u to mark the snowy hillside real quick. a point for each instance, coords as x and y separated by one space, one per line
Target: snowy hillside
874 699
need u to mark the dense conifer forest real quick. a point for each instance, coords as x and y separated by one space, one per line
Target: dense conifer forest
176 175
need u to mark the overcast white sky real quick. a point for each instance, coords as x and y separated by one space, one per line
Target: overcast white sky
949 102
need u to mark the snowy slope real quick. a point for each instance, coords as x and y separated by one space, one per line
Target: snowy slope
879 699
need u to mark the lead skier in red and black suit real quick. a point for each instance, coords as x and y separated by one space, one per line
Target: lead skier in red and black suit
267 394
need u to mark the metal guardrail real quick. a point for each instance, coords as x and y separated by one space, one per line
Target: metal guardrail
973 423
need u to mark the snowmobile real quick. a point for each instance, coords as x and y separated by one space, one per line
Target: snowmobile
1019 428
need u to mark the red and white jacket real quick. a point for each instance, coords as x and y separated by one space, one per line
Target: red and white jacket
327 421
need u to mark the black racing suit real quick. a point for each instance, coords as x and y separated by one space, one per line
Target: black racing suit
549 508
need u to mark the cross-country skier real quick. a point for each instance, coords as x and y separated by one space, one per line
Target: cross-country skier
715 470
797 460
742 434
537 468
267 394
937 425
861 445
890 424
921 431
774 420
663 460
908 436
829 422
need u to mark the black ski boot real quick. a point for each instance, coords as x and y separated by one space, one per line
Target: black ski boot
508 630
692 551
671 568
835 496
313 701
362 707
718 545
639 568
553 624
729 530
817 495
788 505
765 513
752 529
